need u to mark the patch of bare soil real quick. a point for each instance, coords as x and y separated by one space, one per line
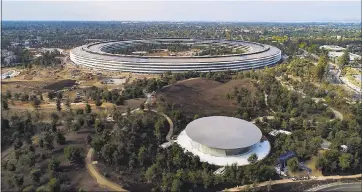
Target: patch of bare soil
60 84
203 96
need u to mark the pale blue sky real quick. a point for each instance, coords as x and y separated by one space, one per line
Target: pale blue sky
244 11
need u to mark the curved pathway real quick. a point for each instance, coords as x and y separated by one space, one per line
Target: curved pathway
265 183
106 182
96 175
339 186
170 132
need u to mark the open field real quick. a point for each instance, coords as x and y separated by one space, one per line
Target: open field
312 163
44 79
202 96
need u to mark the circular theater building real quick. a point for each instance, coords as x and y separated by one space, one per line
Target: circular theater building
160 55
223 140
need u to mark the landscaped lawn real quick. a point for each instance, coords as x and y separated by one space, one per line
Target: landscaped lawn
312 162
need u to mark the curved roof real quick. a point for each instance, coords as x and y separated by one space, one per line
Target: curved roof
223 132
94 51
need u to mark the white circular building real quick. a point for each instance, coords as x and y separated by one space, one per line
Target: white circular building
104 56
223 140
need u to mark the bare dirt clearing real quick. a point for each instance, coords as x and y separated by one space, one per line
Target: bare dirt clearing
203 96
60 84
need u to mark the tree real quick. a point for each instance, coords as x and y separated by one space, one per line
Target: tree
128 112
36 103
48 138
88 108
54 185
99 126
206 178
176 185
73 154
98 102
142 106
132 161
81 111
8 94
107 152
119 101
59 107
142 155
35 175
252 158
4 104
54 117
51 95
150 174
321 68
67 103
29 188
59 137
54 164
59 95
344 59
19 180
345 161
89 139
41 142
293 164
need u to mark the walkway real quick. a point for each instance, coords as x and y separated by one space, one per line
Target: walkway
98 176
170 132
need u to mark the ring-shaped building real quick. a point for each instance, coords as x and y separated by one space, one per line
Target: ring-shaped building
99 56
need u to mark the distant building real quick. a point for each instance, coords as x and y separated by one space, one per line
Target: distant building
277 132
6 53
332 48
61 51
334 55
220 171
344 148
9 60
166 145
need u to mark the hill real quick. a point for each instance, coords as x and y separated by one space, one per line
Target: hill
204 97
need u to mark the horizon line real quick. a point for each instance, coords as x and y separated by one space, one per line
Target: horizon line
188 21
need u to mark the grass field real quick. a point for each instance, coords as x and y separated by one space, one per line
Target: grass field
349 73
312 162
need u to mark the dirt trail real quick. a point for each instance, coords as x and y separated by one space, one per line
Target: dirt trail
96 175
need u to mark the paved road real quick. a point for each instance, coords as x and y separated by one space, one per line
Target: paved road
239 188
342 80
357 186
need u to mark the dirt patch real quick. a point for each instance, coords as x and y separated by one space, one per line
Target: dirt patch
60 84
203 96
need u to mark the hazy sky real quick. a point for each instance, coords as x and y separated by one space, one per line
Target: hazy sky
249 11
